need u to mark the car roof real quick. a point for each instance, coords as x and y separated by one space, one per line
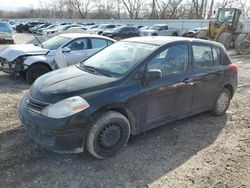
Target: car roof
162 40
78 35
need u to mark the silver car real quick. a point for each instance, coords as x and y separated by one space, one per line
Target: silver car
60 51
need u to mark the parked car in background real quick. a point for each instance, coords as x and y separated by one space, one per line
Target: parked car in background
101 28
160 30
62 28
122 32
36 28
33 61
132 86
144 28
24 27
192 32
6 33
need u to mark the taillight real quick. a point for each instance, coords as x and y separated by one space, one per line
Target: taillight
234 68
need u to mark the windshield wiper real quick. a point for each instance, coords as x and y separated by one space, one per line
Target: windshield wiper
96 70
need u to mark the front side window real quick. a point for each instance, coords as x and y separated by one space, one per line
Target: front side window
78 44
172 60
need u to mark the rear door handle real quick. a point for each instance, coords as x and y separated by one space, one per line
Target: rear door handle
219 73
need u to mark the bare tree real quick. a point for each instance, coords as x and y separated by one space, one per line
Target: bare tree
133 7
199 6
210 13
82 7
107 9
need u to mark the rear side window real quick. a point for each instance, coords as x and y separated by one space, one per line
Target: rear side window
206 56
99 43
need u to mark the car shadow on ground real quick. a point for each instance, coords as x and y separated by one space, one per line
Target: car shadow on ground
148 157
11 84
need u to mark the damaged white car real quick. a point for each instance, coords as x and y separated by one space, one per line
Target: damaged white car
58 52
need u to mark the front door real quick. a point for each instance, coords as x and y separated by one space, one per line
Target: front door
169 97
79 51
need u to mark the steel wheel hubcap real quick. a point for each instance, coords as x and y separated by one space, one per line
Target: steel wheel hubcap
222 102
110 136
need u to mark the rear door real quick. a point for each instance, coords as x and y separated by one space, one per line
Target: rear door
208 75
170 97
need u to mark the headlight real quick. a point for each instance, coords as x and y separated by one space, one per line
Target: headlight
66 107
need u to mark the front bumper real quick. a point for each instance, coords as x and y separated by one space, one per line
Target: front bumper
10 67
65 135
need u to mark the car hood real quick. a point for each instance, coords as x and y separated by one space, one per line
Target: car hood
67 82
14 51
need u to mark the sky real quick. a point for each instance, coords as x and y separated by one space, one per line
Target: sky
17 4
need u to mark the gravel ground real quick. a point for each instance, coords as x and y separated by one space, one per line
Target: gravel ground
200 151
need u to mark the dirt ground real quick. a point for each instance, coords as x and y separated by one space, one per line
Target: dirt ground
201 151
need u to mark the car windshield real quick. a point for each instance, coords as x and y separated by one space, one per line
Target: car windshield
155 27
225 15
117 59
55 42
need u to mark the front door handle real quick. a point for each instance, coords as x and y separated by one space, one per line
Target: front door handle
187 80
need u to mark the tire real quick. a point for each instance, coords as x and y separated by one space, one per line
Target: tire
244 47
226 39
110 124
154 34
222 102
202 34
239 39
34 71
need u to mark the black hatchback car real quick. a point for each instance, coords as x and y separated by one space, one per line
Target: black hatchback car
132 86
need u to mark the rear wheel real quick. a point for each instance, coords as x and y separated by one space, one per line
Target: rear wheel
35 71
226 39
108 135
222 102
244 47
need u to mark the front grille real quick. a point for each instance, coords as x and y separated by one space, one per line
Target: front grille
36 105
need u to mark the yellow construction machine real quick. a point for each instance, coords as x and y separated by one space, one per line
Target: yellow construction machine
228 30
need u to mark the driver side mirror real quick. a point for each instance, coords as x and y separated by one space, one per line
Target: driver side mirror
153 74
66 49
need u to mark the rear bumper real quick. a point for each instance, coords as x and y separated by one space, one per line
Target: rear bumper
65 135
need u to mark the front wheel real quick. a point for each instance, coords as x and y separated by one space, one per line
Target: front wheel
222 102
34 71
108 135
